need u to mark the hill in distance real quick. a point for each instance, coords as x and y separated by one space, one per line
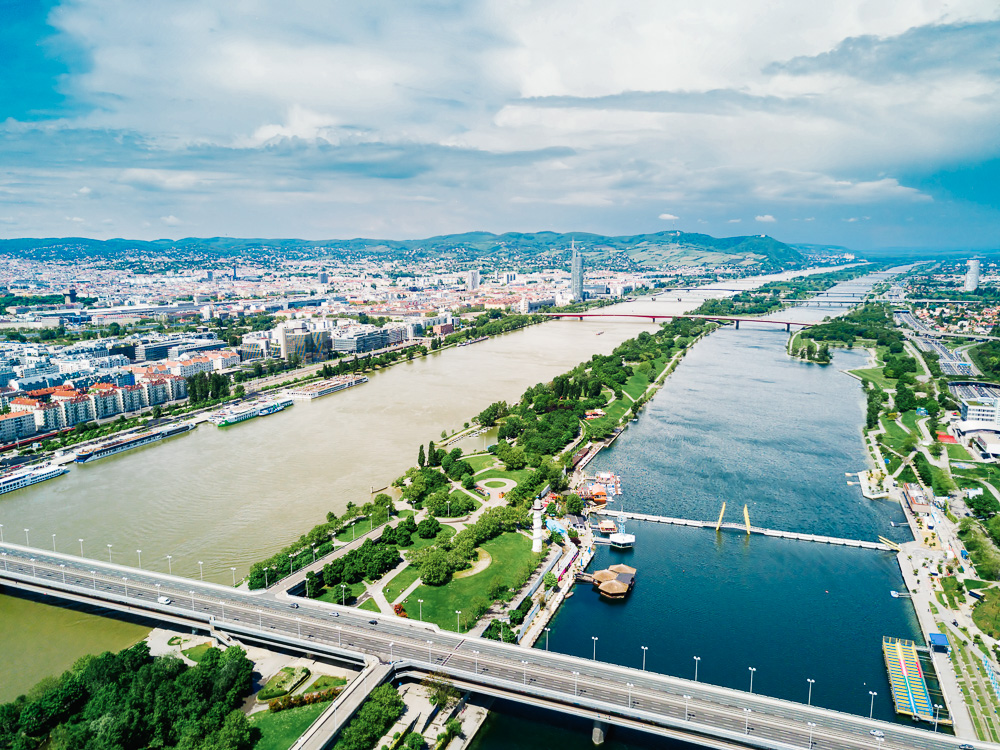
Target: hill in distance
651 251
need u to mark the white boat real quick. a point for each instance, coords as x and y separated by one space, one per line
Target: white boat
253 409
21 478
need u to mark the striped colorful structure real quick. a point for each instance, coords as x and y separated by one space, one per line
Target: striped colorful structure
906 678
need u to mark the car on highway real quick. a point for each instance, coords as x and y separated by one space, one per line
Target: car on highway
293 605
966 746
164 600
373 622
877 733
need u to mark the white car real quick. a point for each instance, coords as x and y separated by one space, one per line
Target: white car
164 600
877 733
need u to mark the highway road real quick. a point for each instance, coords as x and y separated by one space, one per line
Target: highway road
619 695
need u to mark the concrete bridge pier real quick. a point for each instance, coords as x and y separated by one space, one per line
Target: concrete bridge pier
737 325
788 327
600 732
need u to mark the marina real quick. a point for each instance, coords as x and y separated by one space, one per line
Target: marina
324 387
20 478
125 444
906 679
249 410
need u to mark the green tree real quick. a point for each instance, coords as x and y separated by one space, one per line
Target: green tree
549 580
421 459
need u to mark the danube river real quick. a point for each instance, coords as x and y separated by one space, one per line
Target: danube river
741 422
228 497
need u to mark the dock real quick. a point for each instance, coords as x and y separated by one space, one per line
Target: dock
756 530
906 678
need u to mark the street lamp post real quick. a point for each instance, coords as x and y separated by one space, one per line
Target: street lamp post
812 726
421 603
201 570
1 533
343 594
4 555
63 566
26 542
94 574
644 650
810 680
594 639
429 657
53 542
937 707
576 683
525 665
547 638
32 567
458 620
475 666
170 564
234 576
139 553
260 619
746 725
752 670
265 577
871 707
630 686
157 592
696 660
126 586
109 553
81 546
192 600
340 641
686 699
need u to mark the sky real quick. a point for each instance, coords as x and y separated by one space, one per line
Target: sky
862 123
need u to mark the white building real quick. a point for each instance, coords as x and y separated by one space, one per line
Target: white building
972 276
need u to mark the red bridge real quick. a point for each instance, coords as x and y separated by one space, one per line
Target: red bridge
653 318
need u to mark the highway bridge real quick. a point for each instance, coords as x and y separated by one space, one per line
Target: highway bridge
704 715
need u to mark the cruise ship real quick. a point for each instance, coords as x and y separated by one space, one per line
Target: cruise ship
117 446
20 478
250 410
324 387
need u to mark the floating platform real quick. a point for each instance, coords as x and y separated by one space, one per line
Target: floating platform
909 688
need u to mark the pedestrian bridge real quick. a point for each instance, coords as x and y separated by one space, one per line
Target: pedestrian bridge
742 528
698 713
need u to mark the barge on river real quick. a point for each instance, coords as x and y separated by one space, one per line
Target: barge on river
125 444
20 478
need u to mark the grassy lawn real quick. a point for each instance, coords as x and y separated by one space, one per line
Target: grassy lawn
511 552
895 436
951 592
958 453
972 584
986 614
401 582
446 532
279 731
875 375
325 682
909 420
612 414
333 595
518 475
494 483
635 386
480 462
286 680
908 475
197 653
370 605
361 527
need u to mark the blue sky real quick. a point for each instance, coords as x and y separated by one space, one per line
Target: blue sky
870 123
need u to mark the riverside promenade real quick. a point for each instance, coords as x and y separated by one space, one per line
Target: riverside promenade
753 530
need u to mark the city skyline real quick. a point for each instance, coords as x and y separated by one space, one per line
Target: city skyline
865 125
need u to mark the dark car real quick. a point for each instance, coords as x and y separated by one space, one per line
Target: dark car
373 622
966 746
293 605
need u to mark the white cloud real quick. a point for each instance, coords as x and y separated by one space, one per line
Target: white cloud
75 219
170 221
765 218
734 221
668 217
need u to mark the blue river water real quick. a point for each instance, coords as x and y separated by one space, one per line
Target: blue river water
739 421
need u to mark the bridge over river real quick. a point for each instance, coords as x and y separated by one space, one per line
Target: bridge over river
702 714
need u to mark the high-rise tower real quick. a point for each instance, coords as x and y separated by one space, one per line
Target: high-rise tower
972 276
576 274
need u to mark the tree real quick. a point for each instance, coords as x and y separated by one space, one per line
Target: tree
574 505
428 528
550 581
442 692
435 569
420 456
